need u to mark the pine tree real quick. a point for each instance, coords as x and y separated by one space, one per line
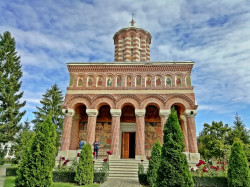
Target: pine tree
51 102
238 170
154 163
10 84
174 168
85 168
39 158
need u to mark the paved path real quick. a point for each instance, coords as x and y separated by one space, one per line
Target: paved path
120 183
3 174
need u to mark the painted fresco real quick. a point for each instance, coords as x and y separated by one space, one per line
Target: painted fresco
152 134
80 81
188 81
71 80
158 81
119 81
178 81
129 81
109 81
90 81
168 81
138 81
99 81
148 81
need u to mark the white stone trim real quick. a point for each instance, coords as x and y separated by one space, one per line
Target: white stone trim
92 112
140 112
165 113
115 112
68 111
190 113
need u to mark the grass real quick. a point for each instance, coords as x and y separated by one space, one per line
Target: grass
10 182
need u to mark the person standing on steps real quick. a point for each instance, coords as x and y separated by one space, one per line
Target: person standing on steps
81 144
96 145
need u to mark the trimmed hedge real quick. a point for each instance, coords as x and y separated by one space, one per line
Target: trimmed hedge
11 171
205 181
63 176
210 181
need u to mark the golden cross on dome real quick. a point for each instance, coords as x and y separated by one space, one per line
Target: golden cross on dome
132 21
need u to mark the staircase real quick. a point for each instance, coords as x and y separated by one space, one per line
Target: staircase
123 168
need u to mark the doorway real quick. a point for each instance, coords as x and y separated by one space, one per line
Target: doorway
128 145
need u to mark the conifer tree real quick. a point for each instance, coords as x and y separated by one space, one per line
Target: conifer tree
51 102
39 159
154 163
85 168
174 168
238 169
10 84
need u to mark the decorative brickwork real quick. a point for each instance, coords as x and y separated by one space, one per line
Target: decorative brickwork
135 96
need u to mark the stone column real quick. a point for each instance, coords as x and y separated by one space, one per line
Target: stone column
140 134
191 131
115 133
184 128
164 116
75 132
92 114
66 135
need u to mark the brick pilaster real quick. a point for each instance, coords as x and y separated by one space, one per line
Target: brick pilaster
191 131
92 114
164 116
184 130
140 131
115 131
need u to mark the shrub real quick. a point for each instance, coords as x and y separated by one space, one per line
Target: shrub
238 171
142 176
64 176
11 171
39 159
154 163
85 168
174 168
210 181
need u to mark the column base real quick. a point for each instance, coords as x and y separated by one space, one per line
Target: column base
192 158
140 157
114 157
69 155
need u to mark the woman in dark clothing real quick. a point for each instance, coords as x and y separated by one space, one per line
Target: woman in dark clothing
96 145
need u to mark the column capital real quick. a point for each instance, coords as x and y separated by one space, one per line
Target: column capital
116 112
183 117
165 113
92 112
190 113
140 112
68 111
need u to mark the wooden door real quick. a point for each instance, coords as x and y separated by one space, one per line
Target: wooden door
125 145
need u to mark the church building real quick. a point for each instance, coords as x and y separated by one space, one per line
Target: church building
126 103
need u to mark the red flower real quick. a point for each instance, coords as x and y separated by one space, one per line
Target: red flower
201 174
204 169
148 157
94 153
78 154
109 153
105 159
62 158
223 168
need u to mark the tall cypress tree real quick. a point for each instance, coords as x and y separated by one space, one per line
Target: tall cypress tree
51 102
174 168
38 160
10 84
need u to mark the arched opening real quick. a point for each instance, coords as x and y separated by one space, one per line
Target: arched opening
128 114
128 131
103 129
153 130
79 126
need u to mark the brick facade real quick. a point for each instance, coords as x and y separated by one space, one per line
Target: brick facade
128 82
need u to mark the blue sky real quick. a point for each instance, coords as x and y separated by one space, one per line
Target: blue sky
213 34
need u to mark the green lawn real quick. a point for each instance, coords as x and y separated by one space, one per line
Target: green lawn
10 182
